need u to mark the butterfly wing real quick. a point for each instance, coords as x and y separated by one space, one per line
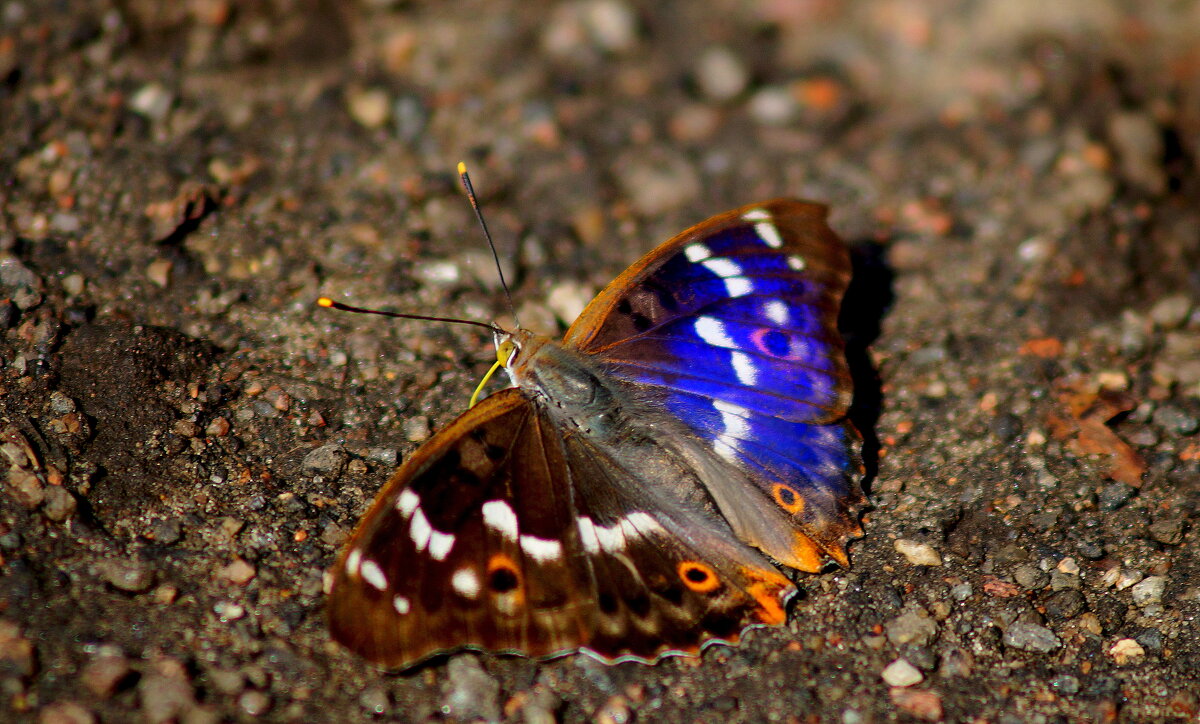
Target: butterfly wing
731 326
503 534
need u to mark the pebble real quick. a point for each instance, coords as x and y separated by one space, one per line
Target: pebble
327 460
471 693
254 703
1168 531
773 106
720 74
1065 605
66 712
1171 311
567 300
1060 581
370 107
238 572
1030 577
219 427
61 404
1149 591
165 698
159 272
1126 650
614 711
962 591
375 700
901 673
1031 637
59 503
104 675
1126 577
611 24
657 185
152 101
912 627
918 554
16 651
922 704
1115 495
1173 419
417 428
126 575
1138 140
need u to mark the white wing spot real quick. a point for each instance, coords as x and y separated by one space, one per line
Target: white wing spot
541 549
723 268
499 516
407 502
401 604
777 312
769 234
696 252
420 530
638 523
736 429
712 331
440 544
738 286
587 534
744 368
352 561
757 215
796 262
465 582
373 574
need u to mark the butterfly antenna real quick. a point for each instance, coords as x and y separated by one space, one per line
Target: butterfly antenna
330 304
466 182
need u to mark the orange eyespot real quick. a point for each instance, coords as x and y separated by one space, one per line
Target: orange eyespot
788 499
503 576
698 577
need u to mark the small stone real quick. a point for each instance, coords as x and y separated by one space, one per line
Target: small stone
1115 495
1031 637
1168 531
219 427
1149 591
66 712
165 531
238 572
1151 639
375 700
901 673
611 24
1061 581
74 284
656 184
1172 311
1068 566
1065 605
327 460
1030 577
61 404
16 651
720 74
774 106
1175 420
59 504
159 272
1127 578
957 662
912 627
254 703
229 611
152 101
26 488
371 107
130 576
186 428
923 704
962 591
104 675
471 693
1126 650
614 711
918 554
165 697
416 428
567 300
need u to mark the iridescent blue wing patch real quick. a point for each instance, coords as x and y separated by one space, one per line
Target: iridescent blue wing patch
732 326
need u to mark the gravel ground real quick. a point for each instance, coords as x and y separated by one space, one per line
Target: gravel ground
189 440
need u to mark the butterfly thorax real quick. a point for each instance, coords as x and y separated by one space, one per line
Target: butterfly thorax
572 387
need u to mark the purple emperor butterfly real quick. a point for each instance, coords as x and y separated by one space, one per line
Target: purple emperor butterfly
632 493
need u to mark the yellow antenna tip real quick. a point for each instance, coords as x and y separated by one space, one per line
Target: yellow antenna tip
462 168
324 302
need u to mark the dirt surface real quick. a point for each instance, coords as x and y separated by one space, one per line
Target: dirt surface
188 440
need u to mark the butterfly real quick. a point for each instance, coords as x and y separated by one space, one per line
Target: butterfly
635 491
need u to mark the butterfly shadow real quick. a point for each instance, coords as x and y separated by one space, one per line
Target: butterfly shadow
868 299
